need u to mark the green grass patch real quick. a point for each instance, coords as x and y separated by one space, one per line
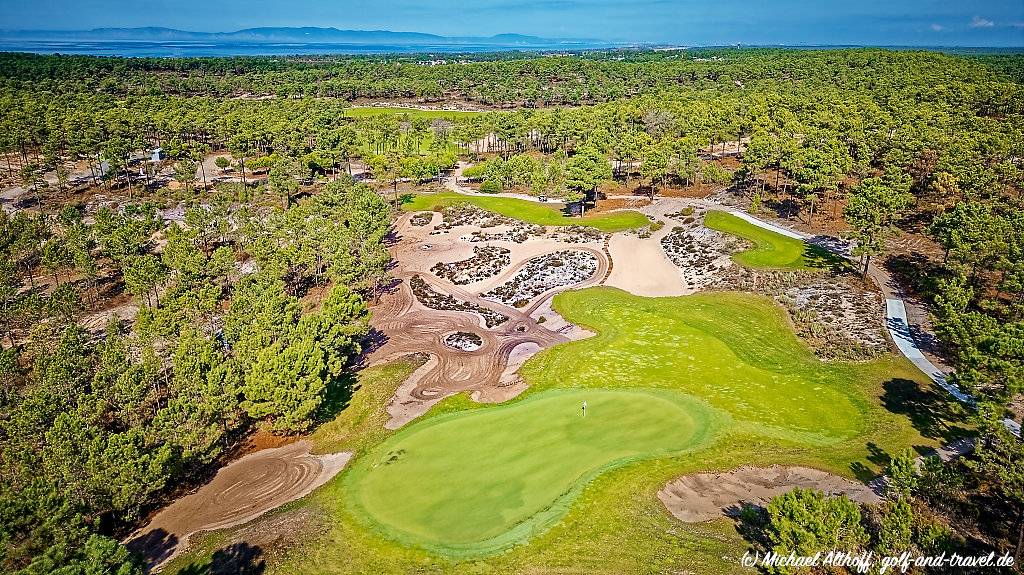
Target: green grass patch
366 112
754 388
771 250
530 212
734 351
472 484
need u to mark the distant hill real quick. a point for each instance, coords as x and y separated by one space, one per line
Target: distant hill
279 35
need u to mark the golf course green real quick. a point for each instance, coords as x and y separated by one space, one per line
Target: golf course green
661 376
473 483
529 212
771 250
673 385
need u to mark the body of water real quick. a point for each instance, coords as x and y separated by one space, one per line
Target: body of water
143 49
187 49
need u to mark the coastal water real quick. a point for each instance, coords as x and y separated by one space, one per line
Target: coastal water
187 49
143 49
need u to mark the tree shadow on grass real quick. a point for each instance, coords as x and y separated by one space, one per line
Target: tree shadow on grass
337 397
818 257
235 559
877 456
932 412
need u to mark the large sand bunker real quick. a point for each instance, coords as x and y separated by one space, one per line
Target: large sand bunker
641 266
423 310
239 493
706 496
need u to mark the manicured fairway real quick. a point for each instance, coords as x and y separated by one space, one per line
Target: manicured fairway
530 212
364 112
734 351
771 250
474 482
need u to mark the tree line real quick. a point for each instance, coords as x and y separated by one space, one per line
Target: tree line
247 316
509 79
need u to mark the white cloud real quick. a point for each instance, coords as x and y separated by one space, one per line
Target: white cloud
979 22
938 27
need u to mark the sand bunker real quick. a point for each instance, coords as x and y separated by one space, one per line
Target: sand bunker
641 267
680 258
239 493
706 496
420 313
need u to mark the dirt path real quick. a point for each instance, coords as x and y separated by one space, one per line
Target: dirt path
239 493
705 496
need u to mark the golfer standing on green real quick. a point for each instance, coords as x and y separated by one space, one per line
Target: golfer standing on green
584 409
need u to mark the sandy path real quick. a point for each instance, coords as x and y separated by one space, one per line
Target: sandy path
706 496
239 493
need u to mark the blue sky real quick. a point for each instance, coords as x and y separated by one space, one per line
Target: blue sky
908 22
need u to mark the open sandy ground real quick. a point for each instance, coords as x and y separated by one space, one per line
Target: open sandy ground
706 496
640 264
239 493
408 326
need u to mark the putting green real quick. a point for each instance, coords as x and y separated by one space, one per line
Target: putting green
470 473
475 482
530 212
771 249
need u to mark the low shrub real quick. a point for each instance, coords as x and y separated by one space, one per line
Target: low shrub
490 187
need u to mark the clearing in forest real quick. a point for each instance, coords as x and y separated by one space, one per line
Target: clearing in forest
662 375
529 212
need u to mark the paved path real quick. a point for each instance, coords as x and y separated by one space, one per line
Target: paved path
899 329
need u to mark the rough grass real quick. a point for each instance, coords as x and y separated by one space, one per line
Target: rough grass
530 212
734 352
365 112
771 250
